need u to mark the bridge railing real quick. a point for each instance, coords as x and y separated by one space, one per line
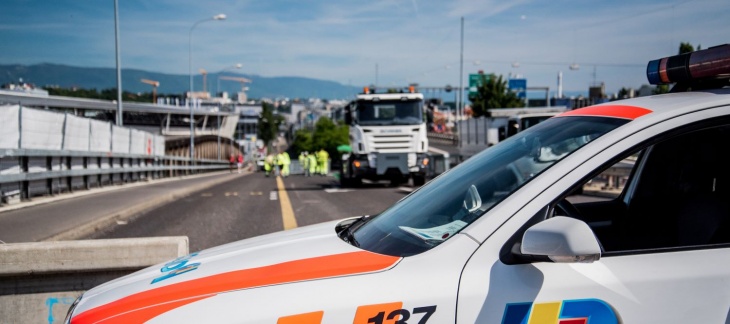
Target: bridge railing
44 153
27 173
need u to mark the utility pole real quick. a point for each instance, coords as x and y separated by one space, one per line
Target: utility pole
119 67
460 104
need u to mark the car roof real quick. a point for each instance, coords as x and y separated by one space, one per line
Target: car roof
657 107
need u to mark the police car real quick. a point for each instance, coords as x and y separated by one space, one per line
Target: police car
502 238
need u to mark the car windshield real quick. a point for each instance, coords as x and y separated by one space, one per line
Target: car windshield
389 112
450 202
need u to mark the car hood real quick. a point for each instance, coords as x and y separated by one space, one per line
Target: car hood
307 253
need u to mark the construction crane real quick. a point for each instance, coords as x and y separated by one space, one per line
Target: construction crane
242 80
241 95
154 85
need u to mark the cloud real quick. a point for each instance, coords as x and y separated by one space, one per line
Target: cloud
343 40
483 9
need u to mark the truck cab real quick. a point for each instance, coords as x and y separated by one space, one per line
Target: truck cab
387 137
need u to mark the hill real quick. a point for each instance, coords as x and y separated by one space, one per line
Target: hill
65 76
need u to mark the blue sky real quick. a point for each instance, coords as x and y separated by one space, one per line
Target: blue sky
393 42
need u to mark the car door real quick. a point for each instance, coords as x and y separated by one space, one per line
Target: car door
663 225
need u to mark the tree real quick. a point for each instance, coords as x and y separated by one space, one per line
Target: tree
329 135
268 124
493 93
302 141
623 93
662 88
685 48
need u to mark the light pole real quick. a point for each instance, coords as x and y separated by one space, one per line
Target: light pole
237 66
120 119
190 72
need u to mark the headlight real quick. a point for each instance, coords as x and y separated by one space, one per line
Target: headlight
71 310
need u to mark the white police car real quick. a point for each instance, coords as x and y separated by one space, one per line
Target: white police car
501 238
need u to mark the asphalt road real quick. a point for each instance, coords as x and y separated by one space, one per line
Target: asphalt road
250 206
69 215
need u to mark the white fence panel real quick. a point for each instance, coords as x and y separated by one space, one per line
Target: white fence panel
120 139
101 136
41 129
76 134
9 126
149 144
138 142
159 146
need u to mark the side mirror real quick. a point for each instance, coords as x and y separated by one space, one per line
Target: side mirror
348 115
472 200
561 239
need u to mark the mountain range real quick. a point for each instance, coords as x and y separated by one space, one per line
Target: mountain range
46 74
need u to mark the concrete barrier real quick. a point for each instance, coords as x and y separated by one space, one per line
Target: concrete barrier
39 281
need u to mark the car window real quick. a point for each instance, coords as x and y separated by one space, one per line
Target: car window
447 204
678 195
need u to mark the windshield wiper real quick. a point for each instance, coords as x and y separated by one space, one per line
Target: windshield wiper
348 233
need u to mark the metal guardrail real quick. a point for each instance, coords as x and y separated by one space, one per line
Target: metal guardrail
447 139
28 173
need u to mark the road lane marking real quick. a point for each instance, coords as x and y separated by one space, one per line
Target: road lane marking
287 213
273 195
334 190
207 194
256 193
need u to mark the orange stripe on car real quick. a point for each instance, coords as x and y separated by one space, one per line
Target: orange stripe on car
146 305
617 111
306 318
365 313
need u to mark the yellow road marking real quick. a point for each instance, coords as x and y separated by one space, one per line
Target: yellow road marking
287 213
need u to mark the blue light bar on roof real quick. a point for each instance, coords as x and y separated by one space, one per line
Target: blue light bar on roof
713 62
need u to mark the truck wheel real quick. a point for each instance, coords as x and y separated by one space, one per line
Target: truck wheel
418 180
344 181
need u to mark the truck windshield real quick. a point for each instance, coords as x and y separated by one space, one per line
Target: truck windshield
443 207
390 112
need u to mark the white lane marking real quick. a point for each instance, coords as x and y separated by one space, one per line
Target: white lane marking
406 189
335 190
273 195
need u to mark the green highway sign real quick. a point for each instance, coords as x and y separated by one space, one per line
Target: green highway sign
475 81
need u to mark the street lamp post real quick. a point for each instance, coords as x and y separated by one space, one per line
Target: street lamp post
120 119
190 72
